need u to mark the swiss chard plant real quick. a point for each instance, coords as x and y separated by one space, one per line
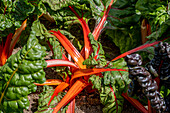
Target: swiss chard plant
80 65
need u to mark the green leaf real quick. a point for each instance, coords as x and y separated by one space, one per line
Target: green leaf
96 81
18 75
113 101
39 29
44 98
162 32
62 14
111 86
147 6
5 22
164 91
125 39
57 48
6 6
40 9
59 4
98 52
21 10
118 79
98 6
122 14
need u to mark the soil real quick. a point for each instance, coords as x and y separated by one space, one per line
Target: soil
85 102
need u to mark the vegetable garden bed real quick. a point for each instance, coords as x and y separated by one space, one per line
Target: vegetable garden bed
99 53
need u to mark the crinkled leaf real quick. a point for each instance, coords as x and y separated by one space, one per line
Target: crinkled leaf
97 56
6 6
58 50
39 29
162 32
160 14
96 81
44 98
111 86
21 10
125 39
41 9
18 75
154 10
98 7
123 14
118 79
147 6
59 4
62 14
5 22
112 100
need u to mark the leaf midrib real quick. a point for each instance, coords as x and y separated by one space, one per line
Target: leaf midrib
13 75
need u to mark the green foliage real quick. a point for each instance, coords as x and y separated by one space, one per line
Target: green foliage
111 86
59 4
40 29
147 6
125 39
57 48
164 91
100 60
113 101
154 10
162 32
5 22
18 75
44 98
62 14
25 67
22 9
98 6
118 79
123 14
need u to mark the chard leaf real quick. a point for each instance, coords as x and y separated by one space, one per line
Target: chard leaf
18 75
59 4
98 6
97 56
5 22
155 11
41 9
162 32
39 29
6 6
21 10
123 14
147 6
62 14
44 98
96 81
115 83
57 48
125 39
117 79
111 86
112 100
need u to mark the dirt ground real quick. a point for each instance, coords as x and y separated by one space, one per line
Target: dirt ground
85 103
